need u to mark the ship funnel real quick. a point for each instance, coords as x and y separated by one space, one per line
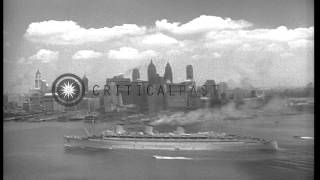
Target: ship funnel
119 129
149 130
180 130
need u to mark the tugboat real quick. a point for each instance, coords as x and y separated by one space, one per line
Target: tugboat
77 117
90 117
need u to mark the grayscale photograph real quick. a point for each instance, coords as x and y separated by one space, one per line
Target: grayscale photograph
158 89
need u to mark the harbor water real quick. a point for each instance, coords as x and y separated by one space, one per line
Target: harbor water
35 151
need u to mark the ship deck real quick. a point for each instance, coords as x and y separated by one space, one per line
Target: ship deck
178 137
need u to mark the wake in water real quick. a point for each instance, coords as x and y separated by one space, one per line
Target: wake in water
172 157
304 137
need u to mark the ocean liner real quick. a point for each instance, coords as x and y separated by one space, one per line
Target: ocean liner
178 140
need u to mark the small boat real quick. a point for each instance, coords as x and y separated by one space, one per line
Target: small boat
91 117
35 120
62 119
77 117
9 118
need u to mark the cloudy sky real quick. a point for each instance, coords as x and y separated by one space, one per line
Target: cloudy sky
268 43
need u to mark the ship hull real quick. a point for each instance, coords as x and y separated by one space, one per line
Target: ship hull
171 144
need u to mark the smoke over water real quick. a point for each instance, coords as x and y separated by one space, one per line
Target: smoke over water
197 116
275 106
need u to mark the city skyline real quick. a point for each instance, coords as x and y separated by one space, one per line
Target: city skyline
158 89
220 45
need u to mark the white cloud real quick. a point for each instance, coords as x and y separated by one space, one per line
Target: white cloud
216 55
129 53
159 39
70 33
174 52
272 40
86 54
287 55
200 24
45 56
301 43
268 55
280 34
196 56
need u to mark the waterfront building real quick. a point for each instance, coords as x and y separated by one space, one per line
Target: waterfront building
189 72
48 102
139 94
26 106
157 95
193 97
168 74
85 83
44 87
238 95
113 101
211 92
123 84
222 92
35 100
93 104
135 74
177 96
50 105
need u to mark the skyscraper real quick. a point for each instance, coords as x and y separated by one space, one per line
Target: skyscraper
135 74
168 73
152 72
44 86
189 71
86 83
38 79
123 89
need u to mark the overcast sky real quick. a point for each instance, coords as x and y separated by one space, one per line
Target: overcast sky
269 43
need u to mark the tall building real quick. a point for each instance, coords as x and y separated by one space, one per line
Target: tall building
35 100
222 88
211 91
139 94
113 101
86 83
49 104
122 84
168 73
189 71
156 101
40 84
177 96
222 92
44 86
152 73
38 79
135 74
238 95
